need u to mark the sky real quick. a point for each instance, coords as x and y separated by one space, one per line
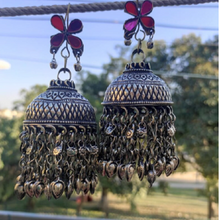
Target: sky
25 40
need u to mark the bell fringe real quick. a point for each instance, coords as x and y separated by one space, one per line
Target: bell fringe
57 159
137 139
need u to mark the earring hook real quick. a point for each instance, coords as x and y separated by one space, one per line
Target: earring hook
67 14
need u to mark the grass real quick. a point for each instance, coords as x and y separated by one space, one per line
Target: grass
179 204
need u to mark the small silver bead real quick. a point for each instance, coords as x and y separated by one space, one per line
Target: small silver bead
127 42
150 44
77 67
53 64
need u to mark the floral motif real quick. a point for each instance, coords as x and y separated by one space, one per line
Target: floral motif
140 17
57 40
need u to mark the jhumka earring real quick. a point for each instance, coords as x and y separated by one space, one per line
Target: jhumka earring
58 142
137 124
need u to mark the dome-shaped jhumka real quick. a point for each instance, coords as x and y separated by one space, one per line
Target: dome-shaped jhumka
60 104
59 149
137 126
139 86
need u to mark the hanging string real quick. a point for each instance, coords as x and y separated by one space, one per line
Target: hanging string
92 7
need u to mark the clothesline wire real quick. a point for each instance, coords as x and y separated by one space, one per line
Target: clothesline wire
90 7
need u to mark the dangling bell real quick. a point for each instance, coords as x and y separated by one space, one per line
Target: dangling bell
59 123
77 67
127 42
53 64
138 108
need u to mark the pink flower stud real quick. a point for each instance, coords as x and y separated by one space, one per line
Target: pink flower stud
140 17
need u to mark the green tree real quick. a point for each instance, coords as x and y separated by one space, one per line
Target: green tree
27 96
196 107
9 157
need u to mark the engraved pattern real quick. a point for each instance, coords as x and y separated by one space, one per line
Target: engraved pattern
144 76
137 93
137 85
60 95
60 104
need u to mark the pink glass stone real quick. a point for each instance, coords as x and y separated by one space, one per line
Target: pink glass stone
74 42
146 8
147 22
58 22
131 8
131 24
75 26
57 40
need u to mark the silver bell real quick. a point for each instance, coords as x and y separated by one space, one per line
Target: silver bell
127 42
53 64
77 67
150 44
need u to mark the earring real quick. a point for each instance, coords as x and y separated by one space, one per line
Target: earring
58 142
137 124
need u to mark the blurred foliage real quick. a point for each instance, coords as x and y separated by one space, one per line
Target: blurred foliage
196 108
195 105
9 143
9 156
27 96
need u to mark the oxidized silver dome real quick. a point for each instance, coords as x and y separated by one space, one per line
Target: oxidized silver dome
139 86
60 104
